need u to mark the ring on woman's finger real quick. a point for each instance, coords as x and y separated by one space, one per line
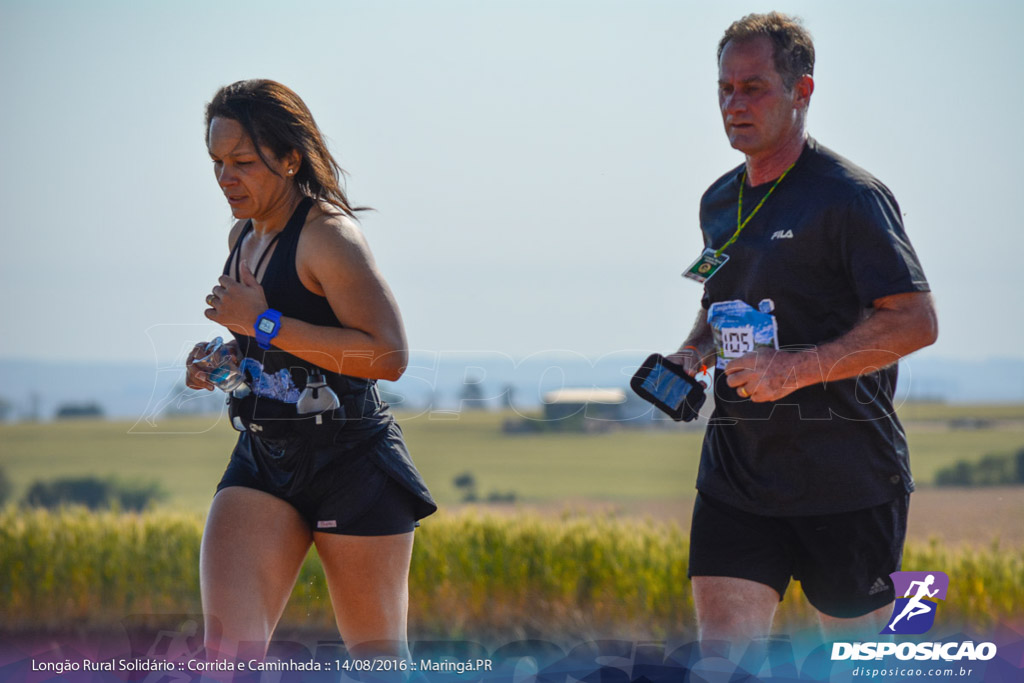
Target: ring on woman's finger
209 299
742 391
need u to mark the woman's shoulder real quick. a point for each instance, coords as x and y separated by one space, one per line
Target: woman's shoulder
328 227
236 231
331 239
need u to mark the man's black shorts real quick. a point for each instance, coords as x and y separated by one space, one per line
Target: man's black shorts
842 561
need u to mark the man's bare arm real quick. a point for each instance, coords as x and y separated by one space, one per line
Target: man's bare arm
897 326
698 349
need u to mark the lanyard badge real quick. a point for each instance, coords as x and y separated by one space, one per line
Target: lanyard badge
705 266
712 260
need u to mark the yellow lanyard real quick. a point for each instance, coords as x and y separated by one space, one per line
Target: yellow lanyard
740 224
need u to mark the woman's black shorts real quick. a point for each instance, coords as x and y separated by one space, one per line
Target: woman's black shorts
349 494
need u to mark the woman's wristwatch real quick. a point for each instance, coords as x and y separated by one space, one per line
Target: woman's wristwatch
268 324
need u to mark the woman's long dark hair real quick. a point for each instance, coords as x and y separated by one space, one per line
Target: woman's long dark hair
272 115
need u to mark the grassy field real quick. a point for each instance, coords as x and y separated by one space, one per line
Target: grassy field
530 567
187 456
933 412
190 455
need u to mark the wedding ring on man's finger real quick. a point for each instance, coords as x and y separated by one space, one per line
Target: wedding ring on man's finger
209 299
742 391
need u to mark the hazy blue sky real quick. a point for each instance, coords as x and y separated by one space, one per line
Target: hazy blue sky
535 166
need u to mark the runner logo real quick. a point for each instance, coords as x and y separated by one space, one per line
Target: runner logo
914 612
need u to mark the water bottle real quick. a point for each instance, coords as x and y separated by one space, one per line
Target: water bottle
221 369
317 397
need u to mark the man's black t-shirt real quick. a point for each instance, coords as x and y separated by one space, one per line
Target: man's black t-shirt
826 244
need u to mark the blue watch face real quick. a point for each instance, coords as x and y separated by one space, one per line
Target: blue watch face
266 325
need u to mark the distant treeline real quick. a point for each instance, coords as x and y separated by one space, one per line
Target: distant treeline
92 492
991 470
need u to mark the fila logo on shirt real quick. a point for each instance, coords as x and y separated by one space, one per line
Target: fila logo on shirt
782 235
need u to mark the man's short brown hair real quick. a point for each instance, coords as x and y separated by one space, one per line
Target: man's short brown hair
792 47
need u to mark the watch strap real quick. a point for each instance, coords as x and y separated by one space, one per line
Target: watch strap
268 324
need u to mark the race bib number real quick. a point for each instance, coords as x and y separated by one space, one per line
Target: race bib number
737 341
739 328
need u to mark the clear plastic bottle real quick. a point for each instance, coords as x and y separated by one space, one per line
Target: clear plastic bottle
220 368
317 397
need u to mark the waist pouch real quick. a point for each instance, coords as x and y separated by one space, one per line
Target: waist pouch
359 417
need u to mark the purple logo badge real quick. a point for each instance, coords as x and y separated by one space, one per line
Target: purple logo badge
917 594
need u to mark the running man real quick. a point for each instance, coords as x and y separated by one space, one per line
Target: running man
915 606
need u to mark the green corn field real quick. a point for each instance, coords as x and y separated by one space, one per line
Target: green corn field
472 574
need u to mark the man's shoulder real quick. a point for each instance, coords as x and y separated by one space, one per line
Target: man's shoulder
835 175
831 178
728 182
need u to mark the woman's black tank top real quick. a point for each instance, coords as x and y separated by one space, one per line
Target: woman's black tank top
291 448
276 377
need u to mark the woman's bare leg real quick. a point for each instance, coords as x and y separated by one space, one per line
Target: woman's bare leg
368 578
253 547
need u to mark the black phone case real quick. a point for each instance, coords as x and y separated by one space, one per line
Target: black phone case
669 388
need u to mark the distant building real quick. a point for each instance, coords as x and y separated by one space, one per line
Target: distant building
602 404
70 411
596 410
583 409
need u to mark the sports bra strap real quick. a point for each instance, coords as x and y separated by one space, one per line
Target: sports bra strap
238 275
